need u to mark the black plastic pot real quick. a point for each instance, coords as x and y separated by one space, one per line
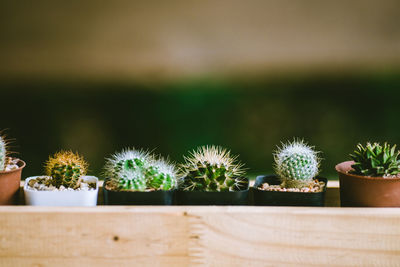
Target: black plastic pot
213 198
138 198
276 198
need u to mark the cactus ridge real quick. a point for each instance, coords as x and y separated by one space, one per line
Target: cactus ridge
212 168
296 163
151 172
66 168
375 160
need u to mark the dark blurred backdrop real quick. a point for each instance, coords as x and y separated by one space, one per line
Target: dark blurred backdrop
98 76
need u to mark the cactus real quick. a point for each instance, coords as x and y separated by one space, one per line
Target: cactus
131 180
212 168
3 153
376 160
66 169
161 175
138 170
296 164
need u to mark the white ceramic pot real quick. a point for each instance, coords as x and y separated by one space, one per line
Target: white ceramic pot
62 198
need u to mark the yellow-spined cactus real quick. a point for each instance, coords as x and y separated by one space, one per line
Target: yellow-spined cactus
66 168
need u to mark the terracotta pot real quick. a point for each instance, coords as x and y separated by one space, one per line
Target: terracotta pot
9 184
363 191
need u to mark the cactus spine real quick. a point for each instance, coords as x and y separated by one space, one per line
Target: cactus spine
66 169
3 153
296 163
212 168
138 170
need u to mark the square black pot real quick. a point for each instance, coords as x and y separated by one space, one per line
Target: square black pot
276 198
138 198
213 198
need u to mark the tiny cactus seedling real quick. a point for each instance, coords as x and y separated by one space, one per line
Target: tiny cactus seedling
212 168
66 169
138 170
375 160
296 164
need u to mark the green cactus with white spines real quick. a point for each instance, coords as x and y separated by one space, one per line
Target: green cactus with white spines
213 169
131 180
138 170
161 174
296 163
125 160
3 153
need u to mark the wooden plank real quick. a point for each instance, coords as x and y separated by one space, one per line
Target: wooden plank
214 236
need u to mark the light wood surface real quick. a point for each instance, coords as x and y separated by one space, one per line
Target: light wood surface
208 235
200 236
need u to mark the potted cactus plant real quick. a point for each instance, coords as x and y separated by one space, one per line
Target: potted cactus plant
372 178
137 177
296 182
65 183
10 175
212 176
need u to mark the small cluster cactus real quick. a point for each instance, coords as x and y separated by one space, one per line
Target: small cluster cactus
296 164
138 170
3 153
376 160
66 169
212 168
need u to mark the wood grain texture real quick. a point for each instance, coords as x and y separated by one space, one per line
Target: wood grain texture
191 236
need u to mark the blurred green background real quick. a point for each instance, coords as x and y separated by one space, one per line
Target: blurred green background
249 117
97 76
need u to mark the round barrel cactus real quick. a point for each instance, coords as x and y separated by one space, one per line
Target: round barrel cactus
212 168
296 163
125 160
66 169
161 175
139 170
131 180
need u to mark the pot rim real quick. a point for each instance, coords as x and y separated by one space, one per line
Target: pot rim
26 188
350 162
15 170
